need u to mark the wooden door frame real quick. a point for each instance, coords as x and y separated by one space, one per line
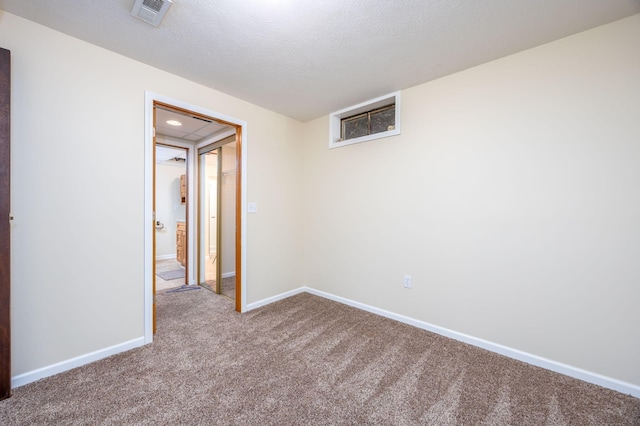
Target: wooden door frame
5 227
152 99
154 326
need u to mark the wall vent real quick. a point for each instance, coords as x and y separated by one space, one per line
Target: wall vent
150 11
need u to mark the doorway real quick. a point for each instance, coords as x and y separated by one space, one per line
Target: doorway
171 212
193 139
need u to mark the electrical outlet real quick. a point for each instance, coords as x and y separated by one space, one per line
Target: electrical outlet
407 281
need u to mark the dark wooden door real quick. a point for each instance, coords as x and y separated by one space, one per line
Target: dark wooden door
5 299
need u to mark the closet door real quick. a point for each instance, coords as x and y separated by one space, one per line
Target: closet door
5 298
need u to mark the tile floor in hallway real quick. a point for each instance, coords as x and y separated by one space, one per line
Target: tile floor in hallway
228 283
164 266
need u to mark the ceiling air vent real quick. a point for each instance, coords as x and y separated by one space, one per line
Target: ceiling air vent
150 11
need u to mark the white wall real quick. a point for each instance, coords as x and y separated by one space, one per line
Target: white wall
511 198
78 236
169 209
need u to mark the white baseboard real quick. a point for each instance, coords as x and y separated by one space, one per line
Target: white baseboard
41 373
567 370
228 274
166 256
577 373
269 300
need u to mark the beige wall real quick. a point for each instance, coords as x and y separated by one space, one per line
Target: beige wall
511 198
78 236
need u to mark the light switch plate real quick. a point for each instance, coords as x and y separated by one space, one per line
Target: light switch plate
252 207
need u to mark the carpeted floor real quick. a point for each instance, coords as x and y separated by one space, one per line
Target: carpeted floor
306 360
227 289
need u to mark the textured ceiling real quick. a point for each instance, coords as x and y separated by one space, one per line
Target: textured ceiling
307 58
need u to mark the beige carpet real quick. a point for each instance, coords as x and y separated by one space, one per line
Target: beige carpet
228 286
302 361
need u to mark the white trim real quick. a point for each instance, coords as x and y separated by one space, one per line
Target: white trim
577 373
41 373
148 216
192 216
558 367
166 256
281 296
150 97
228 274
335 120
243 222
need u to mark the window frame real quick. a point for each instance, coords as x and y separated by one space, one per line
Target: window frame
336 120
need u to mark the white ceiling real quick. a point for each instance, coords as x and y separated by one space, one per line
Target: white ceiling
191 128
307 58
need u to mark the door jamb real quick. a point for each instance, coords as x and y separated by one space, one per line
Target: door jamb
150 98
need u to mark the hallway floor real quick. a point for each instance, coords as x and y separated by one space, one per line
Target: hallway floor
228 288
164 266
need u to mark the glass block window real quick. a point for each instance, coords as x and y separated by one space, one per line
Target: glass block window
375 119
368 123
